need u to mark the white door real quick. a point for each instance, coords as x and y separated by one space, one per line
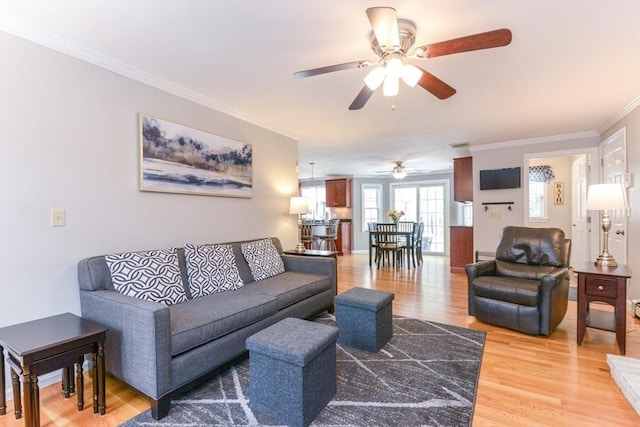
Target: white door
614 168
580 236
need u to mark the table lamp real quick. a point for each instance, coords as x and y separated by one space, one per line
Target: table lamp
605 197
299 206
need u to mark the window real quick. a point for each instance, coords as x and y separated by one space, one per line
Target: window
537 201
426 203
317 200
371 200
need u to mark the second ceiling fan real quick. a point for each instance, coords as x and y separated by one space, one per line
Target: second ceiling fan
391 40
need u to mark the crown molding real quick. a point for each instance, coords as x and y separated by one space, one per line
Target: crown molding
620 114
531 141
32 34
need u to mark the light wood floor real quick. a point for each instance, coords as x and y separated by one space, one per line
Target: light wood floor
524 380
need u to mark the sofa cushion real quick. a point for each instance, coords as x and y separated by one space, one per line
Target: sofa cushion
508 289
201 320
149 275
290 287
263 258
211 268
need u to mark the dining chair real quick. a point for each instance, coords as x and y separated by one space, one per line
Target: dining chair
373 240
418 242
390 249
408 240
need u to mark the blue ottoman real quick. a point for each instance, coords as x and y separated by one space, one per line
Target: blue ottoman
292 370
364 318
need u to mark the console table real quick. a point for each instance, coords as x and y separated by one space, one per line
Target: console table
608 285
45 345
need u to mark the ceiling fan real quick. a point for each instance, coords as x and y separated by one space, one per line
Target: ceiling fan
392 39
400 171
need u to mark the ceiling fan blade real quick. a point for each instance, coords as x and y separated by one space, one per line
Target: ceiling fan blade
434 85
331 68
480 41
361 99
384 23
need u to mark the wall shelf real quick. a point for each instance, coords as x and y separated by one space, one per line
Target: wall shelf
486 204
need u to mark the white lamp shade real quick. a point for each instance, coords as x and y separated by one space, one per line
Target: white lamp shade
374 78
391 86
394 68
299 205
411 75
606 197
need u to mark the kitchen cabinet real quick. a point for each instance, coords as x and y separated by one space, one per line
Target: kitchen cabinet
343 241
461 248
338 193
463 179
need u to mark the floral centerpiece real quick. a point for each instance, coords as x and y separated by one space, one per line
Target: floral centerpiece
395 215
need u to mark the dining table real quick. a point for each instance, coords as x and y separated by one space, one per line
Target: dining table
391 232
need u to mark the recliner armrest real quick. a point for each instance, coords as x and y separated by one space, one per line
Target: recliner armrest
480 268
551 280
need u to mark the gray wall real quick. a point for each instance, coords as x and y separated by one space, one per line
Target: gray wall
69 140
495 156
505 155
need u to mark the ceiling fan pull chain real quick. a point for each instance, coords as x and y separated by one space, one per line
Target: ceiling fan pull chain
393 103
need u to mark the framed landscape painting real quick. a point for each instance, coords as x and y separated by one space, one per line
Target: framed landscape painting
178 159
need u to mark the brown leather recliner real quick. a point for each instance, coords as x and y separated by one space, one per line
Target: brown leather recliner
526 287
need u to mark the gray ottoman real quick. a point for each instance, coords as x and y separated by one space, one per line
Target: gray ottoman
364 318
292 370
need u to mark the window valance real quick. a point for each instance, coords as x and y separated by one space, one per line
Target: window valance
542 173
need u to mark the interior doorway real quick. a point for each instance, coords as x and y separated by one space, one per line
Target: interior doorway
555 188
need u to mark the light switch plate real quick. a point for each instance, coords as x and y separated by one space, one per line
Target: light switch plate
57 218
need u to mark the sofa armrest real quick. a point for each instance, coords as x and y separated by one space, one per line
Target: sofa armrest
325 266
138 345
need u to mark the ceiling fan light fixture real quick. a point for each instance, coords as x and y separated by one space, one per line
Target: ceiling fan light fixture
394 67
391 86
399 172
411 75
375 77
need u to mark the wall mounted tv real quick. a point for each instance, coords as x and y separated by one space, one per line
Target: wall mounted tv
495 179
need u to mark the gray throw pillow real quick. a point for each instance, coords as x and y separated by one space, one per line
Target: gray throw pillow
148 275
211 268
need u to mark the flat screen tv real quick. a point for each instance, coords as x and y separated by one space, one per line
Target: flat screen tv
495 179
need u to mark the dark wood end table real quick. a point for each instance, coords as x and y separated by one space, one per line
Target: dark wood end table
45 345
608 285
313 252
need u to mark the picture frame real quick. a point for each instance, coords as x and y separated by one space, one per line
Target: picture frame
175 158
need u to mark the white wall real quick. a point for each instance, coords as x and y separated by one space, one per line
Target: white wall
632 124
69 140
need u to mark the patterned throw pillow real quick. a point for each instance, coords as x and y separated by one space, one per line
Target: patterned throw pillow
263 259
211 268
149 275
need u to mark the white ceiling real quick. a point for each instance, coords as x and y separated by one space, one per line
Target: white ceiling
572 67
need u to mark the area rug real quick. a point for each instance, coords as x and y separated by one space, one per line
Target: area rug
426 375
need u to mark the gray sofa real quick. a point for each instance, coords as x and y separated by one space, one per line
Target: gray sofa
162 351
